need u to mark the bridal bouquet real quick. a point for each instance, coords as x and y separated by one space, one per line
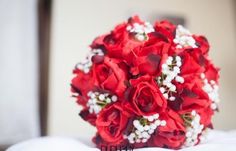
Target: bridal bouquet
148 86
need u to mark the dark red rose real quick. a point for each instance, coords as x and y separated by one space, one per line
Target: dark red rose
111 123
144 97
170 136
110 75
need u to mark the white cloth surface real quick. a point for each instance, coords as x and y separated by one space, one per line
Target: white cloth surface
217 141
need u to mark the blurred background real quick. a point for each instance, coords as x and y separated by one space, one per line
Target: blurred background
42 40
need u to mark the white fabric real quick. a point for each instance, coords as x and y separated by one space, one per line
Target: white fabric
217 141
18 71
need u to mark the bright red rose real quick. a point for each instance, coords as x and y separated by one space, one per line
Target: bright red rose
146 59
166 28
206 116
190 67
110 75
202 44
81 84
211 72
118 43
111 123
172 135
194 98
144 97
190 70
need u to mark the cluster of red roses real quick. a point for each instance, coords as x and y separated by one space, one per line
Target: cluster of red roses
148 86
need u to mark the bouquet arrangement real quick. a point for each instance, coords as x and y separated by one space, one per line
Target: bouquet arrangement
148 85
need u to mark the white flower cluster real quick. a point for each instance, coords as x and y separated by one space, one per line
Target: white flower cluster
143 130
211 88
183 38
98 100
193 130
140 30
87 63
170 71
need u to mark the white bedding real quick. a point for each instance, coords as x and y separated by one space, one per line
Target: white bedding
217 141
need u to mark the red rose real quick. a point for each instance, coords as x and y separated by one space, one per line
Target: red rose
146 59
144 97
190 70
194 98
87 116
211 72
81 84
110 75
119 43
190 67
170 136
111 123
166 28
202 44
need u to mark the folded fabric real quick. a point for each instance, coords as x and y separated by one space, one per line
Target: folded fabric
216 140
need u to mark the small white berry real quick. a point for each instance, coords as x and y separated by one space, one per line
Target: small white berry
166 95
136 123
172 98
188 134
140 128
108 100
145 134
150 118
173 88
146 127
144 140
157 122
164 66
202 76
178 63
162 89
177 58
101 97
151 131
132 135
155 116
176 69
163 123
138 140
153 126
140 37
179 79
114 98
